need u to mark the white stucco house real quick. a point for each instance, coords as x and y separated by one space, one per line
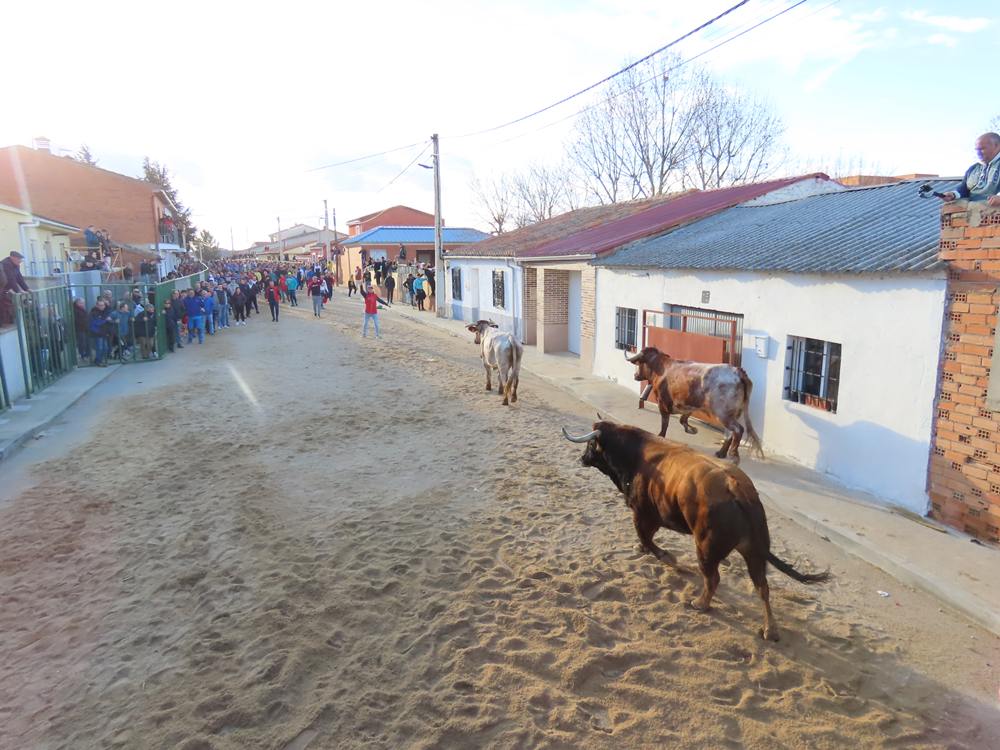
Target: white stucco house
838 302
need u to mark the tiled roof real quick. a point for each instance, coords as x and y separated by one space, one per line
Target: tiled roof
372 215
79 194
516 243
863 230
414 236
658 218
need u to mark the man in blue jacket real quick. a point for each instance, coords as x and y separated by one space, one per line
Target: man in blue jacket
209 299
194 306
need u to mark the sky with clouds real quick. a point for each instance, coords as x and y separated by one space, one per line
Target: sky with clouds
245 103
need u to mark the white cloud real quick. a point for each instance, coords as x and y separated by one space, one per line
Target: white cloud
944 40
949 23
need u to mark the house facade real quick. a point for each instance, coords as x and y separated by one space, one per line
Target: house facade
43 242
832 304
406 244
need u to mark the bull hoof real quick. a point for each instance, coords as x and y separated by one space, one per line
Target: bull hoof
514 398
489 387
700 605
505 402
769 634
690 430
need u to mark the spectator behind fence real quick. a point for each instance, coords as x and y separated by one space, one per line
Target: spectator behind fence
195 308
145 331
80 326
91 237
100 327
11 281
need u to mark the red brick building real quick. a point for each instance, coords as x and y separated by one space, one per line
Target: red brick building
130 209
394 216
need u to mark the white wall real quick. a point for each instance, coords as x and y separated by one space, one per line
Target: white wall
510 316
889 328
10 357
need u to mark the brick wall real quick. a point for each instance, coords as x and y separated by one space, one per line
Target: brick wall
556 300
964 475
530 296
588 303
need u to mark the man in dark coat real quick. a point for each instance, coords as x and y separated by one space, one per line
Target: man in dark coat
13 281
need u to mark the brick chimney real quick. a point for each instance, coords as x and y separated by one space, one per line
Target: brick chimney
43 144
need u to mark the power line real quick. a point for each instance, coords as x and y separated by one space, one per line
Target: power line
405 169
659 74
367 156
604 80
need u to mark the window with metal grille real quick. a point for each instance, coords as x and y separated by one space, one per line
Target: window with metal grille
499 296
456 283
812 372
626 325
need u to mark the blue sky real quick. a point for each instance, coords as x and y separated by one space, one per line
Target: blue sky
242 105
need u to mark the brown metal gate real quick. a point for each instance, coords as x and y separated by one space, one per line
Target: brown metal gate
707 336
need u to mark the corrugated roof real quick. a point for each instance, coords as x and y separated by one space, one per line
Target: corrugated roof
414 236
516 243
862 230
658 218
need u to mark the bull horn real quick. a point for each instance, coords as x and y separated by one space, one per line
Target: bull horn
646 391
583 438
631 360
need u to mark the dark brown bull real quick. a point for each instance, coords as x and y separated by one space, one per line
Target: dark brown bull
669 485
722 391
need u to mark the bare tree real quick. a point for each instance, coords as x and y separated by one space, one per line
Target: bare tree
541 192
735 137
86 156
596 152
995 124
496 201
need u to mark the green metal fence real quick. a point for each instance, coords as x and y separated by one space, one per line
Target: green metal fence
45 335
126 349
50 345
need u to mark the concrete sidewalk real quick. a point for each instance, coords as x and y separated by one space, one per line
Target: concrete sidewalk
914 550
30 416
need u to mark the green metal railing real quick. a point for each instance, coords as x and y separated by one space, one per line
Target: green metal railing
126 349
45 334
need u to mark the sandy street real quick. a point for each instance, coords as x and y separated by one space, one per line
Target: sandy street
295 538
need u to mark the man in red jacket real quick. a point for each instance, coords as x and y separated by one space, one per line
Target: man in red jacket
372 301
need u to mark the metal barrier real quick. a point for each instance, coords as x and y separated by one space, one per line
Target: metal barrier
45 336
123 345
50 345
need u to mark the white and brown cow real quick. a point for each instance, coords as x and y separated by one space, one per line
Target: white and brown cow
681 386
502 352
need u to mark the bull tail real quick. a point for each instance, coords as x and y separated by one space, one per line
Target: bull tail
752 436
788 570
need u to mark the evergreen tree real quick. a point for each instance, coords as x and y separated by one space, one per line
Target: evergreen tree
158 174
85 156
206 246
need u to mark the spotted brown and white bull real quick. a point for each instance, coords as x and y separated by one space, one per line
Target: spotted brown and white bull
681 386
669 485
502 352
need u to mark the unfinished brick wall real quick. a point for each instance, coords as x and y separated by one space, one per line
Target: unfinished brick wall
964 475
530 296
588 303
556 297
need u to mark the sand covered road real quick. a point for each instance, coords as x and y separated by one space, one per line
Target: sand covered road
293 538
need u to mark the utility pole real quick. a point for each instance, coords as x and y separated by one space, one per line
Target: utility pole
439 280
333 249
282 241
232 242
327 252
